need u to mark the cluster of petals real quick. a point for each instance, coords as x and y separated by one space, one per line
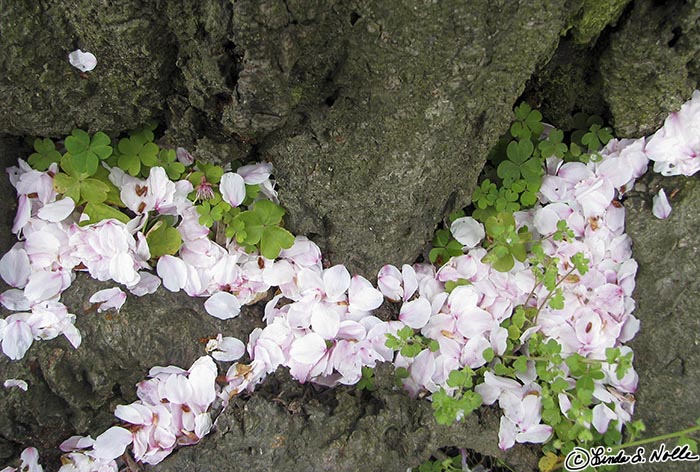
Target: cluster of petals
675 147
173 410
320 324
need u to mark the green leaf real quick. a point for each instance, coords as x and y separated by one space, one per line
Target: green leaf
441 238
45 154
99 211
94 190
560 385
67 185
163 240
100 145
438 256
129 163
269 212
78 142
691 443
250 221
504 263
274 239
520 364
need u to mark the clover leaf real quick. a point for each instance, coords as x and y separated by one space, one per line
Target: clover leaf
528 122
99 211
520 162
167 159
259 226
45 155
163 240
596 137
553 145
137 151
81 189
86 153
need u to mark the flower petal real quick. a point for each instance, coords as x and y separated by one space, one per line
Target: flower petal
15 268
415 313
336 281
83 61
660 207
308 349
467 231
173 271
232 189
112 443
57 211
362 295
223 305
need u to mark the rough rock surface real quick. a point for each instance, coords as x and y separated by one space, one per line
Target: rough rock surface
286 426
667 348
44 95
649 66
75 390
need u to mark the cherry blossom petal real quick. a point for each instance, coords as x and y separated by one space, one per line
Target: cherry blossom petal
18 383
81 60
410 281
30 460
255 173
601 417
148 283
24 213
16 337
389 282
134 413
58 210
15 268
173 271
112 443
109 298
76 442
121 269
506 434
202 424
467 231
325 322
308 349
223 305
537 434
14 299
44 285
336 281
415 313
232 189
362 296
227 349
660 207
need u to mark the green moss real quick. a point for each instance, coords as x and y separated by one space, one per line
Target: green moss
594 17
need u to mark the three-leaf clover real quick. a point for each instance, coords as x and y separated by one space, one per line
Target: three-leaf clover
553 145
520 163
163 239
45 155
528 122
86 153
444 247
79 185
137 151
260 226
167 159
